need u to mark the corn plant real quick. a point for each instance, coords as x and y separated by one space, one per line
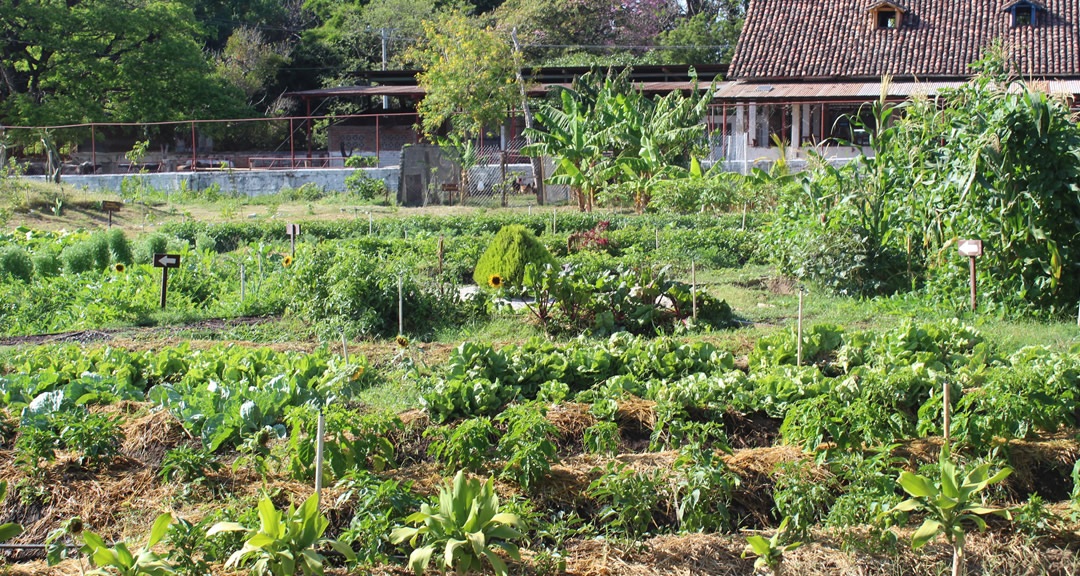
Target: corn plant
285 543
770 553
465 528
949 504
120 560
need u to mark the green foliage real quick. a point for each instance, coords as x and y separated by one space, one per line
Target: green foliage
188 547
638 299
11 529
119 248
285 542
466 445
507 256
802 495
770 552
602 438
119 560
526 448
703 490
187 465
462 531
949 503
983 161
364 186
468 73
379 505
15 262
630 499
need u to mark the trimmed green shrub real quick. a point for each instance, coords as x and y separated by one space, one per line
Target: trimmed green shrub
119 246
47 263
78 258
204 243
14 261
99 249
154 244
506 257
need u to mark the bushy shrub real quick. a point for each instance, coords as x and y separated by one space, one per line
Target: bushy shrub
78 258
153 244
513 248
204 243
364 186
46 263
15 262
119 246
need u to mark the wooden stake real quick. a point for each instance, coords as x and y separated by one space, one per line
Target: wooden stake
164 286
798 344
400 309
440 254
320 428
554 227
693 287
369 223
744 216
344 347
657 246
947 411
242 283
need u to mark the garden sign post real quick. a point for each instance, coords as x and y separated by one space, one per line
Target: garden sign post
293 230
111 206
165 261
972 249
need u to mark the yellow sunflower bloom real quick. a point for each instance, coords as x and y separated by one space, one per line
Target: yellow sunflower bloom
119 267
359 372
495 281
287 261
402 341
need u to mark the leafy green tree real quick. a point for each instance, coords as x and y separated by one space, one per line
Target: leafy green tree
250 62
99 60
468 75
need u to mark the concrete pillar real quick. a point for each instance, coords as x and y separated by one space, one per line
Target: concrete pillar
796 130
806 117
741 137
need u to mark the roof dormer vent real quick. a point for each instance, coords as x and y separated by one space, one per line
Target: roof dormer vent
1024 13
887 15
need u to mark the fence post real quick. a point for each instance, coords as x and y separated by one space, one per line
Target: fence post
378 147
502 164
194 146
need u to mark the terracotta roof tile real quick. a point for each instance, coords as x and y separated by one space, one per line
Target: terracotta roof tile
937 38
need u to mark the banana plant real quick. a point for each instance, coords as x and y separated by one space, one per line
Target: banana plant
285 543
11 529
466 527
770 553
949 504
120 560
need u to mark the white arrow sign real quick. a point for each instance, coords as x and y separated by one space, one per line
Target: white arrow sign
971 248
166 260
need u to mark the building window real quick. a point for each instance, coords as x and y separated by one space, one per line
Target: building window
1024 14
887 19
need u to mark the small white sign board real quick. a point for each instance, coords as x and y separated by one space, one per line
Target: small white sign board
971 248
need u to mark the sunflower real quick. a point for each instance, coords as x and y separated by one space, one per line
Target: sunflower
287 261
359 372
495 281
402 341
119 267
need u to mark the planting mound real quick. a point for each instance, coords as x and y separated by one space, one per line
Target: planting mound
513 248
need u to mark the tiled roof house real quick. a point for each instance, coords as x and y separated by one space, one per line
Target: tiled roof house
802 65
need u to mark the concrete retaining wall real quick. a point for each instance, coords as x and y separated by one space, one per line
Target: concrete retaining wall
239 182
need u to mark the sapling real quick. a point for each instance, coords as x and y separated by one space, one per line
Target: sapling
949 504
770 553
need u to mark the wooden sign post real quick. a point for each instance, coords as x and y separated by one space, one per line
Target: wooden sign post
111 206
165 261
972 249
293 230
